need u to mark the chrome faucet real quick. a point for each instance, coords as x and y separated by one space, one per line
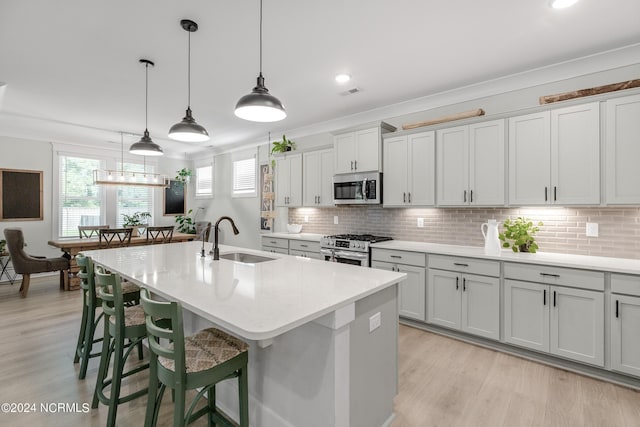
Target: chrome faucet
216 251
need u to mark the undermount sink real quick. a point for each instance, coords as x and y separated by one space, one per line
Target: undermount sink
246 258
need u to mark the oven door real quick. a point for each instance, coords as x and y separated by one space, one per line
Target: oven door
345 257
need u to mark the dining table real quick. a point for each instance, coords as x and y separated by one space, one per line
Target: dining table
73 246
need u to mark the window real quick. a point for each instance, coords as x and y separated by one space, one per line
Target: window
133 198
244 177
80 201
204 181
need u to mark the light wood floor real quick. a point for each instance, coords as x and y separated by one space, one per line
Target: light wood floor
443 382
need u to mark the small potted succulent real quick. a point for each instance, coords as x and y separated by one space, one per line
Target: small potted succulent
518 234
138 220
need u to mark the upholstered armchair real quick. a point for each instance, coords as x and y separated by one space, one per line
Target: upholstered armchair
26 264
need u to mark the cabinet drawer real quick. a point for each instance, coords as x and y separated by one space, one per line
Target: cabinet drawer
555 276
304 245
625 284
275 242
399 257
465 265
275 250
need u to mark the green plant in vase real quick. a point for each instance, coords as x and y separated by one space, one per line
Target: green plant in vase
3 246
518 234
138 221
184 175
186 223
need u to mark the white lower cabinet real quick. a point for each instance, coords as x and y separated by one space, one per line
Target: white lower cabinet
563 321
275 244
305 249
624 314
464 301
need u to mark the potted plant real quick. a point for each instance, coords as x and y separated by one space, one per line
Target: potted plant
138 221
184 175
186 223
518 234
281 147
3 246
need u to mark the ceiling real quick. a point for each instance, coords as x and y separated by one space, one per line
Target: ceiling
71 70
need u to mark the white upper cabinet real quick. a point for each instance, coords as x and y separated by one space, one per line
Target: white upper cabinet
470 165
360 150
318 178
409 177
622 148
288 174
554 157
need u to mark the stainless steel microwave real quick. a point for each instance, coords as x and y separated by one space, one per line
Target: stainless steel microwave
357 189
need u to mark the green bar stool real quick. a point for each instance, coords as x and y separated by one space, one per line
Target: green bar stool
121 323
90 305
199 361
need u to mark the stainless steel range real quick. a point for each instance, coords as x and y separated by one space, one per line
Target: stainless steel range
349 248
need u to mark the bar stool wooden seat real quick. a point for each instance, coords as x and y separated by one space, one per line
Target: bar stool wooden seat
120 323
91 305
199 361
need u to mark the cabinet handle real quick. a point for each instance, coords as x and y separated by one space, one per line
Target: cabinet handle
351 164
465 196
557 276
404 197
471 196
544 297
355 164
271 241
555 191
304 246
459 264
464 284
554 298
617 314
395 256
409 198
545 194
318 199
457 279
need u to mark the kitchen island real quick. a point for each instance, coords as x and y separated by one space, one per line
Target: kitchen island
323 336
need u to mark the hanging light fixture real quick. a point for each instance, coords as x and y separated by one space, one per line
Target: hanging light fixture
188 130
146 147
260 105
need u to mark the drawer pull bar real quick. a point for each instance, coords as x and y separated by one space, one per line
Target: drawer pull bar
304 246
459 264
557 276
544 297
464 284
554 298
395 256
617 313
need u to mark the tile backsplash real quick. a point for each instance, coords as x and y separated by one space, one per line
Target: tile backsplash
563 230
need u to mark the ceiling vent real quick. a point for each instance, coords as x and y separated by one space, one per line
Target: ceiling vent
351 91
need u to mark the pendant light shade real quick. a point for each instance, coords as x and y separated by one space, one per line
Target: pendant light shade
260 105
188 130
146 146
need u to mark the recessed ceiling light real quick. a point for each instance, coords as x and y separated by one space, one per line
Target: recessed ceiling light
343 78
562 4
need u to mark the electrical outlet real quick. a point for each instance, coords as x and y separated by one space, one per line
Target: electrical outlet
335 219
592 229
420 222
374 322
306 218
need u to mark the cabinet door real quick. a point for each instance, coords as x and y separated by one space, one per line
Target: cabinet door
453 166
344 147
311 180
486 163
526 314
421 174
295 181
623 150
444 298
481 306
283 181
368 150
529 159
625 324
575 155
325 197
395 171
577 325
413 292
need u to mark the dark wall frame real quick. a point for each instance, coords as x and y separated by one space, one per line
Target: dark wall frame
174 201
21 195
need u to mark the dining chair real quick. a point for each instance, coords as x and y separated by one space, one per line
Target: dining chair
88 231
159 234
199 361
114 237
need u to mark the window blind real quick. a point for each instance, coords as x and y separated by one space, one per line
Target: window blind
244 177
133 198
204 181
80 201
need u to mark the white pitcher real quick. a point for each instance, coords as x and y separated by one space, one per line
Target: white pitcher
491 241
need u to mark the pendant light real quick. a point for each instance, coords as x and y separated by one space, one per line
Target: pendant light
188 130
260 105
146 147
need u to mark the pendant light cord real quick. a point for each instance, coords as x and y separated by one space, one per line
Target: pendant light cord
146 96
189 72
121 154
260 37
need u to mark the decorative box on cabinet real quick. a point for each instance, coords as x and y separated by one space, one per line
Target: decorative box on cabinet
550 314
554 157
464 294
288 173
318 178
471 165
409 170
360 150
412 291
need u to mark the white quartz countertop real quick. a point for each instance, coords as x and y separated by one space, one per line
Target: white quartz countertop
615 265
310 237
254 301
